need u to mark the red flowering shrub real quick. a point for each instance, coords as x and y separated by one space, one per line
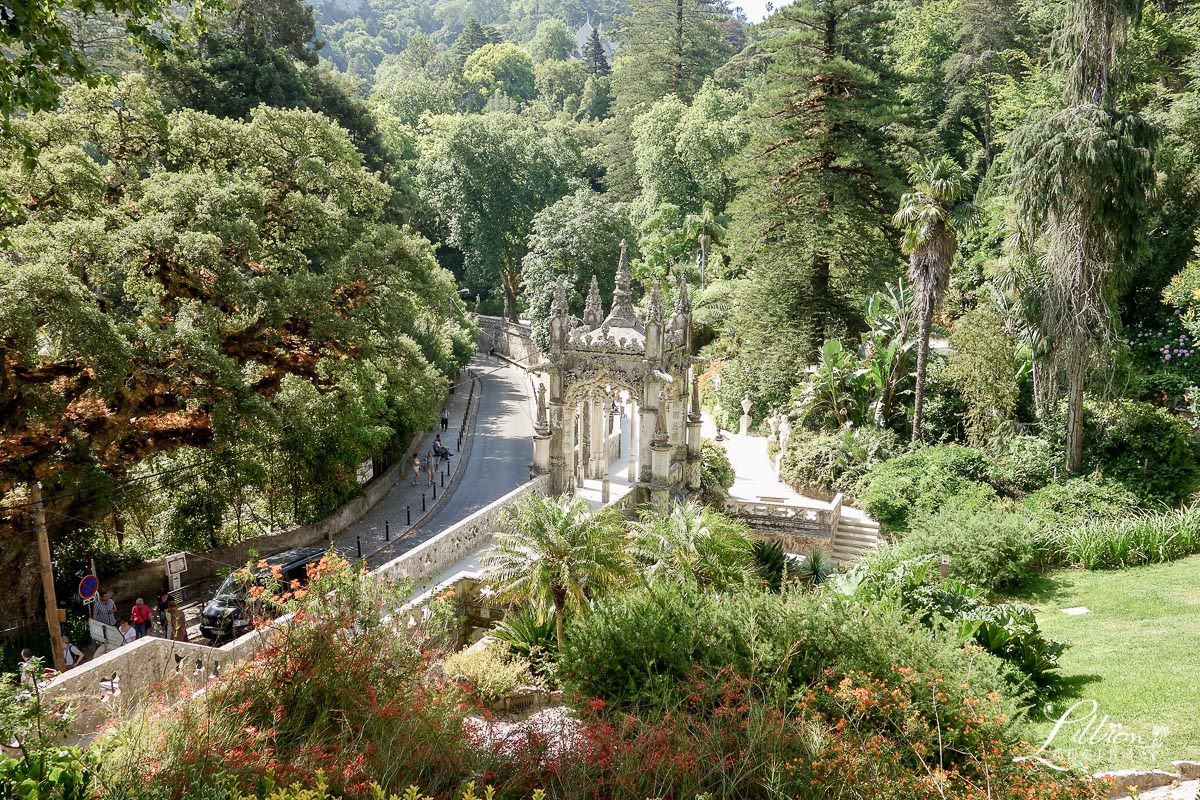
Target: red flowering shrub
341 690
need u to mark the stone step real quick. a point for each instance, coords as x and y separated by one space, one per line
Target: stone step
855 525
869 539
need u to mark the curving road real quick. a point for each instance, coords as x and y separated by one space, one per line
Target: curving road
500 455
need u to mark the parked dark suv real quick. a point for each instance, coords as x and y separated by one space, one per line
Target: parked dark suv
228 614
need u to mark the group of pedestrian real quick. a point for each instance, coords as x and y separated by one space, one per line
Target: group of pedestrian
139 621
438 452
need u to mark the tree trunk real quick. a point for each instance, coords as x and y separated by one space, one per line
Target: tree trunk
1075 380
926 323
821 301
560 600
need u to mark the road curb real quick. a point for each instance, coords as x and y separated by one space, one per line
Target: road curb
456 476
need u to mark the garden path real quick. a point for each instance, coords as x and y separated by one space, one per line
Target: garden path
756 479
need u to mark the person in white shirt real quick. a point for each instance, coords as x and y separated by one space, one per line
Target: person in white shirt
128 633
72 655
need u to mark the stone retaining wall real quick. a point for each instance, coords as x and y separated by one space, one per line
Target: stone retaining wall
432 558
511 340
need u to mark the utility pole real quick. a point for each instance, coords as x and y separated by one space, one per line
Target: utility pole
47 569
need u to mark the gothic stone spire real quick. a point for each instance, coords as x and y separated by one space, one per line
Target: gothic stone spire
621 315
654 310
593 312
683 304
558 306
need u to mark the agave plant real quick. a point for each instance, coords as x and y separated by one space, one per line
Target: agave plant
815 569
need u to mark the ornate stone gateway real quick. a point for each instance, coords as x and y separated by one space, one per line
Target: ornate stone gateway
599 362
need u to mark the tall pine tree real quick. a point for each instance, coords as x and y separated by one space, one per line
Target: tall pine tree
594 59
811 230
669 47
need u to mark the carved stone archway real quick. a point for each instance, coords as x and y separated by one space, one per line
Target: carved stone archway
650 358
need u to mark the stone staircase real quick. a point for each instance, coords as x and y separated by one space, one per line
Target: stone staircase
853 534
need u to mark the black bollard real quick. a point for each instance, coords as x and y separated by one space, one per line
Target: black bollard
408 515
443 480
435 490
422 501
358 540
387 531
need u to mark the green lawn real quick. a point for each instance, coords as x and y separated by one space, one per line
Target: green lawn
1135 655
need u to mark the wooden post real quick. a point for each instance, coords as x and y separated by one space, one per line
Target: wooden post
47 570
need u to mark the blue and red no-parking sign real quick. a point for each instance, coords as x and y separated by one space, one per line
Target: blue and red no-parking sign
88 587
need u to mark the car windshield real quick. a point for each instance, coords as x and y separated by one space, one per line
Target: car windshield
230 588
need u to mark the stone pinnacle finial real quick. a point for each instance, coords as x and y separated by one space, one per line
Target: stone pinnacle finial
683 304
558 306
621 315
654 310
593 312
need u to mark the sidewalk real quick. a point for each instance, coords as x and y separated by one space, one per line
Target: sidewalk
406 506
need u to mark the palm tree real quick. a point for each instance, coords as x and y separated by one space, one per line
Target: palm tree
694 544
932 215
707 228
556 555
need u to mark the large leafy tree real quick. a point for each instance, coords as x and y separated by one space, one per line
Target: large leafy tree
576 238
1080 177
487 176
556 555
932 216
170 274
810 227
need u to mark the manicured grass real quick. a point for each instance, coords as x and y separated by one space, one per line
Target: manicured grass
1136 653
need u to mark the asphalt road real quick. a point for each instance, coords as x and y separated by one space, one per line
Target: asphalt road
501 452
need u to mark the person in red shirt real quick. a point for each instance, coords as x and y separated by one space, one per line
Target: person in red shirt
140 615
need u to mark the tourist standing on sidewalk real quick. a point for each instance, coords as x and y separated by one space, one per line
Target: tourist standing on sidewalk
105 610
160 608
429 467
72 655
416 468
176 623
140 615
445 419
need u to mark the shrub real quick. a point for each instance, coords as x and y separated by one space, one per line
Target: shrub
1006 631
492 671
1113 543
826 464
716 472
1145 448
992 549
899 491
340 690
638 651
1076 499
1023 464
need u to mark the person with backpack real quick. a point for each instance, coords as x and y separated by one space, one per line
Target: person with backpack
72 655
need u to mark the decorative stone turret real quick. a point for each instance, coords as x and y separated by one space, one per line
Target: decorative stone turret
621 315
593 312
694 457
645 359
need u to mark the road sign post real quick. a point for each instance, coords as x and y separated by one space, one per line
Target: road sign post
176 566
88 587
